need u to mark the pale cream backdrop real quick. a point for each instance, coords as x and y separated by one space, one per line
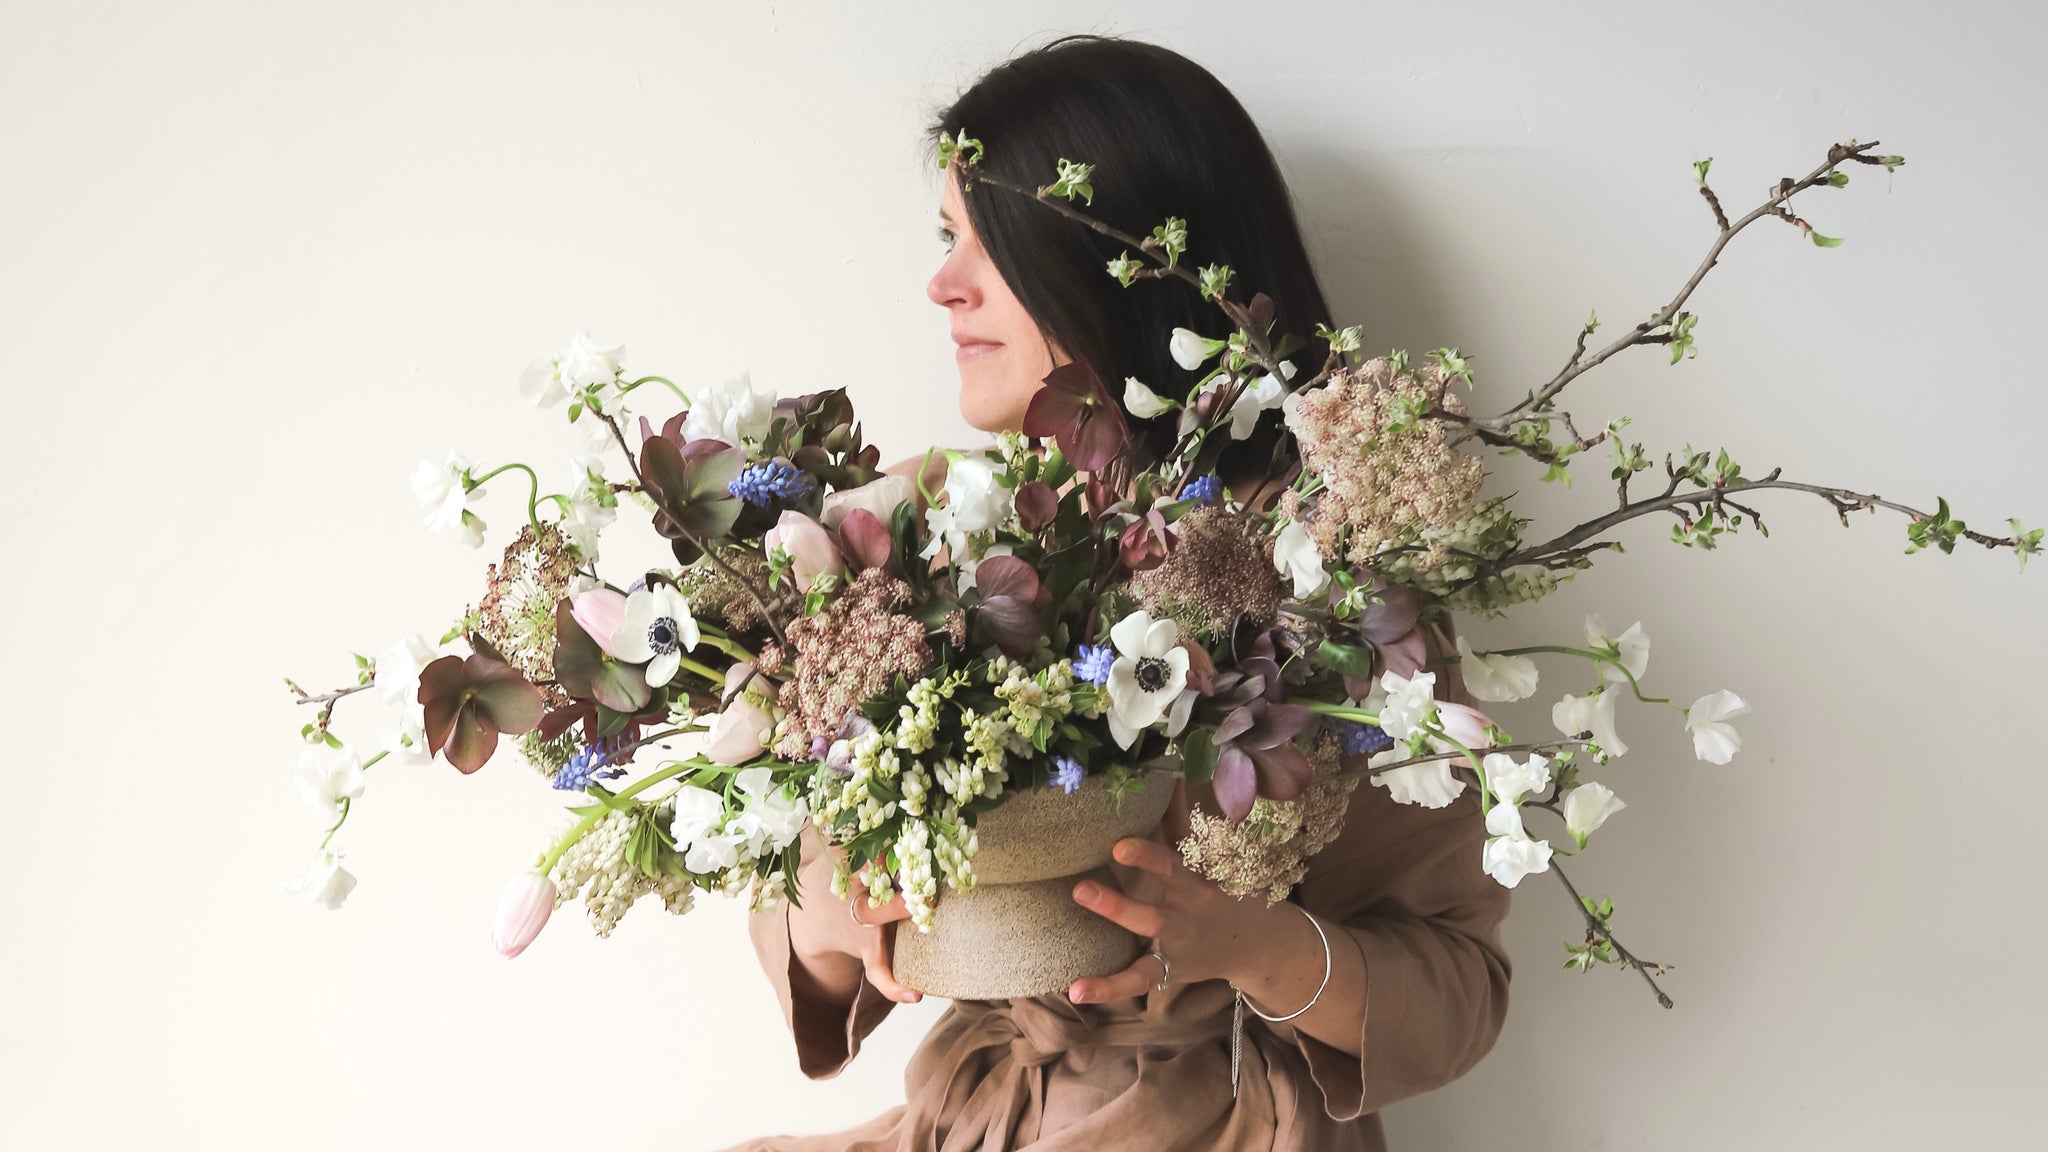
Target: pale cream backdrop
261 258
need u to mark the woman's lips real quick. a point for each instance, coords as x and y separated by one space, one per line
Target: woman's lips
970 351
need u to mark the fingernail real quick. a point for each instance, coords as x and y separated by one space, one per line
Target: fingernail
1086 892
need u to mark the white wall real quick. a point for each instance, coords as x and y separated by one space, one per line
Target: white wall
260 258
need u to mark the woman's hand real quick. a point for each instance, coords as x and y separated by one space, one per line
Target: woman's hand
1203 931
838 950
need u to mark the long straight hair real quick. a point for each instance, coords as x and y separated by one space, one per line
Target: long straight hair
1166 138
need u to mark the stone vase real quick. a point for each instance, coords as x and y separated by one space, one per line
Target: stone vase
1018 932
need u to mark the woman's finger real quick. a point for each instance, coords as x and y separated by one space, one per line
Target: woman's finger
1148 856
1141 977
1136 916
875 958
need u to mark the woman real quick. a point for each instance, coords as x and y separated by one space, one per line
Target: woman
1397 911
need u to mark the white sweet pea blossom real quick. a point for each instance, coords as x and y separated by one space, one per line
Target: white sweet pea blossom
445 492
655 627
1430 784
408 745
697 813
975 502
325 882
1409 703
586 514
1191 349
398 670
1505 820
1590 712
1713 739
731 412
1143 402
771 819
969 567
1634 646
1148 676
1511 782
1496 679
1256 398
1295 556
1509 858
1587 807
583 364
325 783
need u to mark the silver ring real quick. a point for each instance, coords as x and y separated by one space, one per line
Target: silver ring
1165 970
853 910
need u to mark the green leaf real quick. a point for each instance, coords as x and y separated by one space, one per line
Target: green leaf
1353 660
1838 178
1198 756
1824 241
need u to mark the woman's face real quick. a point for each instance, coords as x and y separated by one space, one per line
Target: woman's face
1001 354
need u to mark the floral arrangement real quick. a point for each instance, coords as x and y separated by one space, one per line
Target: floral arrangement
888 662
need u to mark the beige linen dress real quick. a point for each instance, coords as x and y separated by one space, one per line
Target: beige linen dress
1405 885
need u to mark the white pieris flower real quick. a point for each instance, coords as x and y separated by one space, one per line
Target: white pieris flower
1496 679
1587 807
1634 646
1510 782
582 365
771 819
731 412
324 783
1714 740
1590 712
325 882
1509 858
975 502
655 627
1142 401
1409 703
1191 348
1295 556
1430 784
586 514
1149 674
444 492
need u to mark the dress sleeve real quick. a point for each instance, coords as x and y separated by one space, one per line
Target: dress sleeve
828 1032
1406 887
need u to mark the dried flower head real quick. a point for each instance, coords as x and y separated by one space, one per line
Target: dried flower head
518 611
1221 570
848 653
715 595
1387 471
1269 851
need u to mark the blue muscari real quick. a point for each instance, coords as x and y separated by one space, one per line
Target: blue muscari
1362 739
1094 662
582 768
763 484
1067 773
1204 489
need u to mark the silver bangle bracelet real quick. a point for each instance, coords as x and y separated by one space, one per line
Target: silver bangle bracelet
1319 988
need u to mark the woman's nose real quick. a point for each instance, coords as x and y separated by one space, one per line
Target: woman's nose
949 286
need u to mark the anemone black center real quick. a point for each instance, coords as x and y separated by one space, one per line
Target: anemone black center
661 636
1152 673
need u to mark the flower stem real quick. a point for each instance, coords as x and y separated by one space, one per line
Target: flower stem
337 824
1340 711
584 825
1590 654
680 395
533 489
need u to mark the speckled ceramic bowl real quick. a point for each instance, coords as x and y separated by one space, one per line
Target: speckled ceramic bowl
1018 932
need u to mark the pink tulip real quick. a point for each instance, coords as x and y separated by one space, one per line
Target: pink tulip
523 912
739 733
880 497
599 611
1464 724
810 548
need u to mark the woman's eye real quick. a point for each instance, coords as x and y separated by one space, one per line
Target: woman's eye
946 237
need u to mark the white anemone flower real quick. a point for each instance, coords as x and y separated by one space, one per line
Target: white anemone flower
655 627
1148 676
1509 858
1590 712
1295 556
1714 740
445 494
732 412
1587 807
1496 679
1633 646
325 882
1143 402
